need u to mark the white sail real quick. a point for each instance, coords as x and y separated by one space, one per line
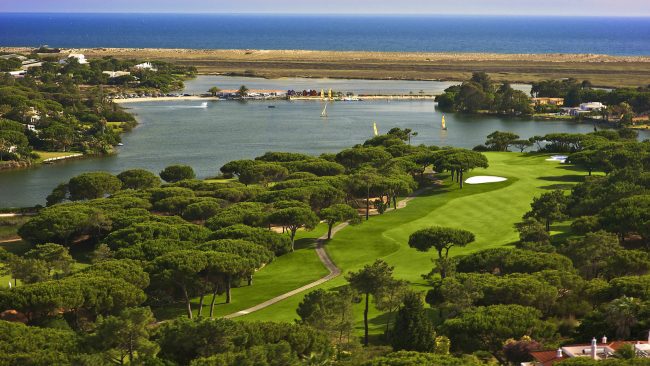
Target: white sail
444 125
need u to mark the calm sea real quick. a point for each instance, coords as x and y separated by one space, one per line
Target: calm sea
615 36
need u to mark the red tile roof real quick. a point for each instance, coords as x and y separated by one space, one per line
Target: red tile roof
546 358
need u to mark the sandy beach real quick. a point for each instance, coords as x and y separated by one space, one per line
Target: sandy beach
601 70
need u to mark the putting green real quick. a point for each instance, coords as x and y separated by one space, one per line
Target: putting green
487 210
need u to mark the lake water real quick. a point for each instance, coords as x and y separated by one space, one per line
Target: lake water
206 138
499 34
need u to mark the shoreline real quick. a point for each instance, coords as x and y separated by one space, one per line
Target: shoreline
313 99
601 70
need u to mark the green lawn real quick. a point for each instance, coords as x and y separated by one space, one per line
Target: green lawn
284 274
487 210
51 154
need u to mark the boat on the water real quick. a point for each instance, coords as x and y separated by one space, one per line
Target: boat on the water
443 124
204 105
270 106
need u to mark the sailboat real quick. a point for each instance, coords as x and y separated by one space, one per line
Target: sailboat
204 105
329 94
324 112
444 125
374 127
322 94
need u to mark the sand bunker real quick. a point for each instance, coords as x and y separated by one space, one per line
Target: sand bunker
484 179
560 158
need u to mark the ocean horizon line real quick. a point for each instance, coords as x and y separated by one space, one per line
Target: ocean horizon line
383 15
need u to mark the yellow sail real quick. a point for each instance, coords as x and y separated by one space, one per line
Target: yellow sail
374 126
444 125
322 94
329 93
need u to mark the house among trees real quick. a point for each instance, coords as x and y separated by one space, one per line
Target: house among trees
596 351
146 66
80 58
547 101
584 108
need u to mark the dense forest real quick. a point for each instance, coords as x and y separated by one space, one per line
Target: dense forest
153 246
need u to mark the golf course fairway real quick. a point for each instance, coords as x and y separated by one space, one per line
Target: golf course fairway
488 210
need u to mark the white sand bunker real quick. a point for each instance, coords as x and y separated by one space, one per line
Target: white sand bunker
484 179
560 158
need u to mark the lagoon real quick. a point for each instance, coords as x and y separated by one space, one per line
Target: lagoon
182 132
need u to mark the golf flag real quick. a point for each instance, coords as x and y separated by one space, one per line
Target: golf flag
374 126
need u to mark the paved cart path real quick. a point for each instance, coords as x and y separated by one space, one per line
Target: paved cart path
324 258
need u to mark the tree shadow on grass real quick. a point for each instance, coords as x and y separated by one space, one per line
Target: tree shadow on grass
16 247
554 187
563 233
573 168
575 178
305 243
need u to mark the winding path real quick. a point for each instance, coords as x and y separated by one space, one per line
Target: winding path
324 258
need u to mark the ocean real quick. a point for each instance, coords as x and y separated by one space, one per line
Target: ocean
497 34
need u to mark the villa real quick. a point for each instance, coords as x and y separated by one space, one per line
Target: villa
584 108
78 56
146 66
547 101
596 351
592 106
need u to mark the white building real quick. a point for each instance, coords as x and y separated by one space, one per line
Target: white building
595 351
80 58
592 106
145 66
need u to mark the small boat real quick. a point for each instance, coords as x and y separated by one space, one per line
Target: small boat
120 144
444 125
204 105
324 112
374 127
270 106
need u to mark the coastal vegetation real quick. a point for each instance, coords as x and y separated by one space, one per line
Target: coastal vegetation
602 70
480 94
553 255
62 106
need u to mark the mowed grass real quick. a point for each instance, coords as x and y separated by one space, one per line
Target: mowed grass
488 210
42 155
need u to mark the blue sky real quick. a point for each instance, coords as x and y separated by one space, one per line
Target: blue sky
481 7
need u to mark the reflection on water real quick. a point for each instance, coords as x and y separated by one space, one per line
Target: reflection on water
206 138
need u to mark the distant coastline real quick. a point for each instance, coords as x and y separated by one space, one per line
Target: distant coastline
601 70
